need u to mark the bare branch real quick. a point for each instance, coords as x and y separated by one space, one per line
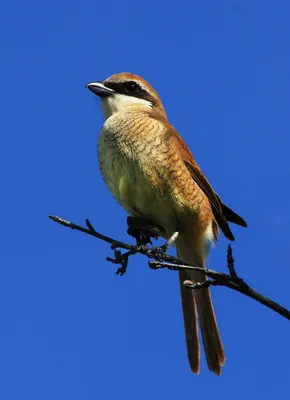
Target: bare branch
170 242
163 260
91 231
231 261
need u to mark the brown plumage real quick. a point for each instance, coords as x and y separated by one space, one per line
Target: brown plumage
152 173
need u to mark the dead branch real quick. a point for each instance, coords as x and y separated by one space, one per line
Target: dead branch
163 260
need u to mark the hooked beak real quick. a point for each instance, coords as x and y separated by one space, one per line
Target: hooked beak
99 89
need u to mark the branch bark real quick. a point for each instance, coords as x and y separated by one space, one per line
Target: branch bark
163 260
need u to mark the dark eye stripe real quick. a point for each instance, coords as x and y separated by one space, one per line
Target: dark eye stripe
119 87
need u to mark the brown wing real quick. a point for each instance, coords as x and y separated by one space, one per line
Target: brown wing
231 216
221 212
203 183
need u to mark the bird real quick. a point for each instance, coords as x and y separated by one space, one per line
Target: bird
152 173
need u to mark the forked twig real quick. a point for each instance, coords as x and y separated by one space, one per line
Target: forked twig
163 260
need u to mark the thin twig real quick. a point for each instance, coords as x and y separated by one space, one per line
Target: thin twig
198 285
91 231
170 241
231 261
163 260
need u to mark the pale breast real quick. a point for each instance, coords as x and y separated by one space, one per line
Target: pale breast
145 174
132 160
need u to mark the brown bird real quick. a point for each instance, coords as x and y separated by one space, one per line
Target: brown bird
151 172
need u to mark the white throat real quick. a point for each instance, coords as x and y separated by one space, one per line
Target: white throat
117 102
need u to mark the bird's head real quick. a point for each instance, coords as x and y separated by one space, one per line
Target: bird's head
121 91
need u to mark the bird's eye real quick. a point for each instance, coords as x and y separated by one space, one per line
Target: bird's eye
132 88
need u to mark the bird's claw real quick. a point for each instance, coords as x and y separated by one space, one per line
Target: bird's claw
156 252
142 230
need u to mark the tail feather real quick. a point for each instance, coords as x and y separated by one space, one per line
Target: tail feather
199 303
190 324
212 343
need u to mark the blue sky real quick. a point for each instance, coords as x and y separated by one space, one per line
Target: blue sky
72 329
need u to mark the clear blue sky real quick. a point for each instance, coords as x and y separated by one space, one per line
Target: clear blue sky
72 329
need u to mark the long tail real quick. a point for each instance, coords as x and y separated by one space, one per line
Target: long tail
199 303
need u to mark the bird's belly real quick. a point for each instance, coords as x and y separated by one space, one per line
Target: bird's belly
134 181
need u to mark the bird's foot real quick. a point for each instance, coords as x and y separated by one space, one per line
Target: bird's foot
142 230
158 252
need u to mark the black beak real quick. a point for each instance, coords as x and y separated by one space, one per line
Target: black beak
99 89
